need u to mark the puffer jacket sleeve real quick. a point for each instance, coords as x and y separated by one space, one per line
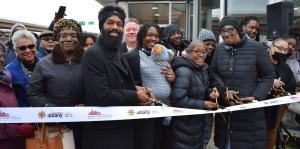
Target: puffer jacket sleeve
37 89
181 89
266 72
215 80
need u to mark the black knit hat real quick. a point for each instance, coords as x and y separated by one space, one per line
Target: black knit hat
171 29
229 21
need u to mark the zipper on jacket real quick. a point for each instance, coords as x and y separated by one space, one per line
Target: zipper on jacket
72 81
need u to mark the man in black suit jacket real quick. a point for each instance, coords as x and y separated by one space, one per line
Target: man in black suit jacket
108 81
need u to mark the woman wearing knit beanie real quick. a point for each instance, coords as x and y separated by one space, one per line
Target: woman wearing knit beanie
209 39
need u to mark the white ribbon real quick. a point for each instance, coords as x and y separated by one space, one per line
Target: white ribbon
80 114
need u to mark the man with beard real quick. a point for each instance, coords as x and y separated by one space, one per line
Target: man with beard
108 81
250 26
46 44
174 39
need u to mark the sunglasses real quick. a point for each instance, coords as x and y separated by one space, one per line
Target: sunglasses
23 48
47 38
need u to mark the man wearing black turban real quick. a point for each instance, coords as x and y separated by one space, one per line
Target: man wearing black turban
109 82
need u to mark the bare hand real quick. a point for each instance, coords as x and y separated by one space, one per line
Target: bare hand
57 18
214 93
277 83
142 94
248 99
146 103
169 73
209 105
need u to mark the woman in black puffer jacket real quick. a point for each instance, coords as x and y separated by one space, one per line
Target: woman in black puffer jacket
191 90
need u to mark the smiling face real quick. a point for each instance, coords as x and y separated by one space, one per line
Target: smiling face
68 40
47 42
210 47
292 45
130 31
251 28
230 35
151 38
175 38
113 26
198 54
26 50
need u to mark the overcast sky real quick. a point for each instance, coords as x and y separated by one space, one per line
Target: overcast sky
42 11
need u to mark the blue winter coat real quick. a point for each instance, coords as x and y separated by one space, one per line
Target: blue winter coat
41 53
19 81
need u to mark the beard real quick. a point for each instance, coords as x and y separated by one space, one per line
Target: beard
111 41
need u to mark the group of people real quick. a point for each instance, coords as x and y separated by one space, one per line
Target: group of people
66 67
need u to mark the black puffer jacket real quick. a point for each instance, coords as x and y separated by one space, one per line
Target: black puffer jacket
189 91
245 67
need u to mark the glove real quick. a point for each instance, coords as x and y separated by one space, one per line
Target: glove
26 130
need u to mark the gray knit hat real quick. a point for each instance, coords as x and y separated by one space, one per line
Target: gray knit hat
206 35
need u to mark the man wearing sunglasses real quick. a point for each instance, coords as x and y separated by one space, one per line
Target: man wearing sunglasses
46 44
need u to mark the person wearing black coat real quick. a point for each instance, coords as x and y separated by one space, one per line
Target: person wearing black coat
173 39
191 90
242 65
108 81
284 79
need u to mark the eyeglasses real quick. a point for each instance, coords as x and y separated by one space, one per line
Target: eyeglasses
47 38
210 44
280 48
23 48
229 30
202 52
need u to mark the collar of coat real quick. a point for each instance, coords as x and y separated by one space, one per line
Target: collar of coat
242 41
59 57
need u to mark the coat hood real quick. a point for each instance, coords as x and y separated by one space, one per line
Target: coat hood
184 61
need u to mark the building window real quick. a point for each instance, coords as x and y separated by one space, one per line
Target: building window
162 13
179 15
150 12
241 8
